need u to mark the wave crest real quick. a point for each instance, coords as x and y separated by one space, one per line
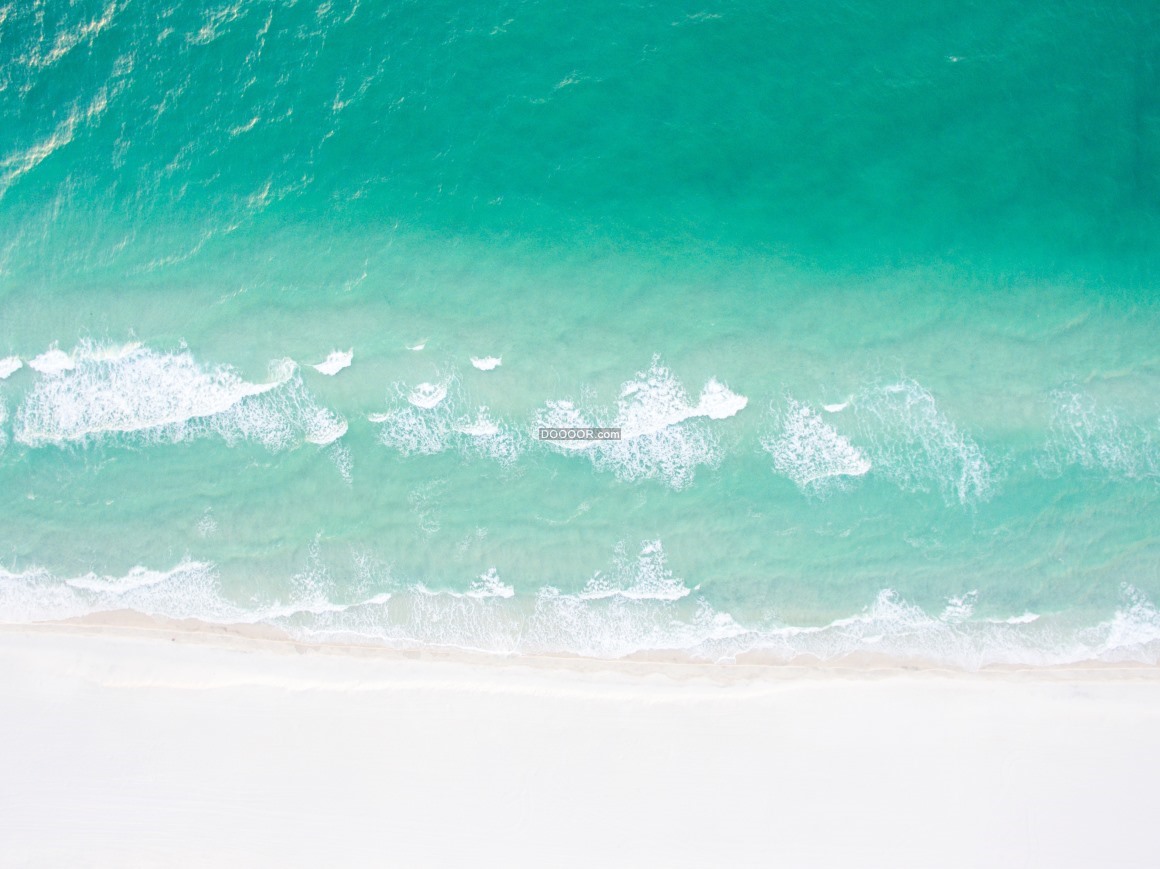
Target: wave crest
136 393
432 417
664 435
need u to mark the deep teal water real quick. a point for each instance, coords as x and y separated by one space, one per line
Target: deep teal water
876 289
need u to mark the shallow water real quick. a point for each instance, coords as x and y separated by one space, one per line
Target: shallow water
871 293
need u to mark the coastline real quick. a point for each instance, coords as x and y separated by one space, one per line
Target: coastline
265 637
169 746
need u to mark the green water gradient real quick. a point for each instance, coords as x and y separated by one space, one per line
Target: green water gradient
806 201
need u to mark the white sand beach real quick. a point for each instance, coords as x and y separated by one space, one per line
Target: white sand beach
131 747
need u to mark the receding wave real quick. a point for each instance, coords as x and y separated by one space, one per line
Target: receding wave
637 606
895 431
809 451
910 441
1095 438
132 393
664 434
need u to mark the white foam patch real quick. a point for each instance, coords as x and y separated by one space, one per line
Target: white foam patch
52 362
896 629
911 442
717 401
420 426
1095 438
343 461
9 365
809 451
335 362
1025 619
489 585
428 395
146 396
487 363
663 433
481 435
1132 634
644 578
961 608
431 418
189 590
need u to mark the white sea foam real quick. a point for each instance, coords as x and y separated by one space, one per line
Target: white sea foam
636 606
432 418
489 585
1025 619
417 421
893 628
644 578
717 401
960 608
132 391
1133 632
343 461
428 395
335 362
1096 438
481 427
911 442
809 451
9 365
663 434
487 363
52 362
189 590
483 436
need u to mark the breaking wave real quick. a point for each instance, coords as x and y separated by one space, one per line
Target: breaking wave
132 393
664 435
335 362
9 366
433 417
638 606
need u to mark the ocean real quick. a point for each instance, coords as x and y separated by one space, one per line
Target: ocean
872 292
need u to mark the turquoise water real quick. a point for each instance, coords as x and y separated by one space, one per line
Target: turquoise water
871 292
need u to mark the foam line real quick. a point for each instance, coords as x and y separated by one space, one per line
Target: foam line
637 605
133 393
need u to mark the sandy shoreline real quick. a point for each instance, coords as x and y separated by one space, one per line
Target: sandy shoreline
179 744
266 637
